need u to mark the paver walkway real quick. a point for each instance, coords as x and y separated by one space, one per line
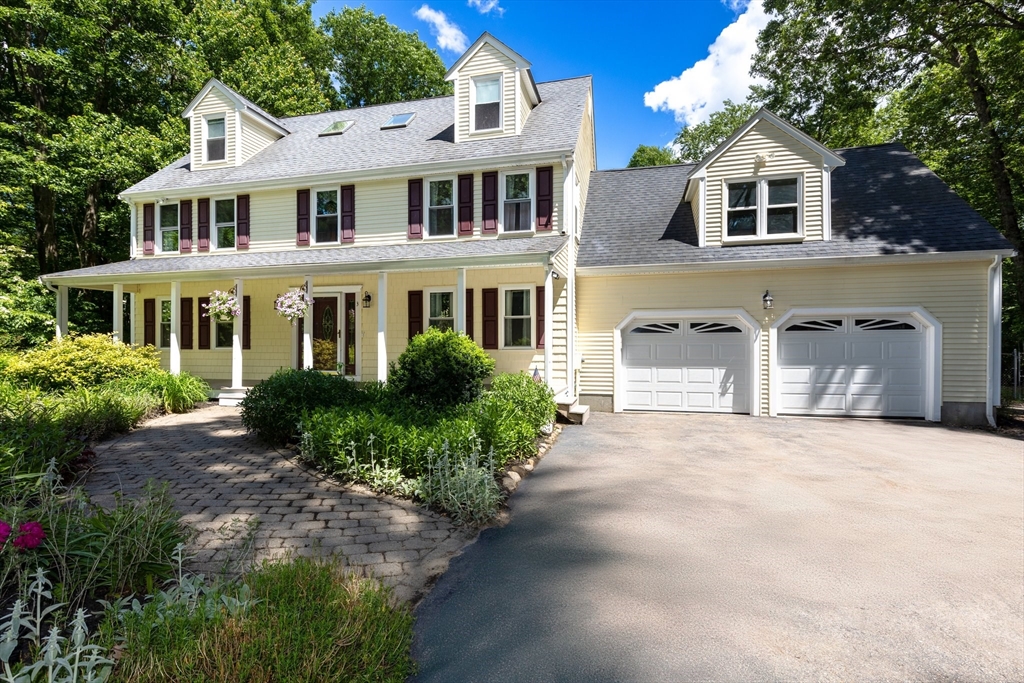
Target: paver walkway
219 474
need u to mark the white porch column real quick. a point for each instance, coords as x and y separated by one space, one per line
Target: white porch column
236 339
175 327
382 326
131 318
118 326
307 329
548 325
460 302
62 311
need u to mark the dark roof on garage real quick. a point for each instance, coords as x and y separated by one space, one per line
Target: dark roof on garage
884 201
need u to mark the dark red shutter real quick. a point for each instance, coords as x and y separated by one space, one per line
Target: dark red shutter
148 226
302 218
545 197
469 313
203 224
246 324
204 322
466 205
540 317
149 321
415 208
490 202
186 322
185 243
348 213
415 312
490 297
242 206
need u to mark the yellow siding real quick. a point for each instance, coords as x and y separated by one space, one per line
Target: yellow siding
791 157
955 293
485 62
255 138
214 103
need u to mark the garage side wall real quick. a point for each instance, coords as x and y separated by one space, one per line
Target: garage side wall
955 293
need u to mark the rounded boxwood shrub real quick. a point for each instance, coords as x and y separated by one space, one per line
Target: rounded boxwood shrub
440 369
81 361
272 409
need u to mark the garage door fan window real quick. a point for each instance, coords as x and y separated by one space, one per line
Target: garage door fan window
763 208
816 326
714 328
655 328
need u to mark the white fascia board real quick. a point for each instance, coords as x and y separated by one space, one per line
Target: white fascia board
210 85
486 38
770 264
552 157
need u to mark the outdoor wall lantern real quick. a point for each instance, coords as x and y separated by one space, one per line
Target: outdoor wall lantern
767 300
367 299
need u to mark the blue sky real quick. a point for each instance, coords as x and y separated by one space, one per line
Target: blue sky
686 57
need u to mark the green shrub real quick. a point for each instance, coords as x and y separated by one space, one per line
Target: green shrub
82 361
31 435
308 620
94 414
272 409
535 400
174 393
440 369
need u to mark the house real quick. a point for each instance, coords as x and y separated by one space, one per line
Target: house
774 277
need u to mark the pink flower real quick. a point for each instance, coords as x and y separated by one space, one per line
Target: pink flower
5 532
30 535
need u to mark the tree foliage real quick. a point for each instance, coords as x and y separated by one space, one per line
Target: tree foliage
649 155
697 141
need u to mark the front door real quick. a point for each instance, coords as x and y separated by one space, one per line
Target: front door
334 335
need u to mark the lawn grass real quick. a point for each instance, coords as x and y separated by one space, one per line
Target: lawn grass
313 623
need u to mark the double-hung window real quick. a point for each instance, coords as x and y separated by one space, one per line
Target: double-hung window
487 103
326 216
441 309
169 227
165 323
224 217
517 317
224 333
441 207
517 202
764 208
216 136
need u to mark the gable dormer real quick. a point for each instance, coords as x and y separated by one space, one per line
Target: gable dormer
767 183
494 91
226 129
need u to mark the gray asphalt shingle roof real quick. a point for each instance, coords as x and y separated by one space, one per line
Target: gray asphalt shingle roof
554 125
884 201
341 256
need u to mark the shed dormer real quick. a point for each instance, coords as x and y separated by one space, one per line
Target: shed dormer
494 91
226 128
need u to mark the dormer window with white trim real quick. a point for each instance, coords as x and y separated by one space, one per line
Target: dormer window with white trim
486 103
764 208
216 139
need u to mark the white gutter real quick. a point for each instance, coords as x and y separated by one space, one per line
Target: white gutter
995 338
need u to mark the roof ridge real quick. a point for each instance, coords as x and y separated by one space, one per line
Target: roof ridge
876 144
644 168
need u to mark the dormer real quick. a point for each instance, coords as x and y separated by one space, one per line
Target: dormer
767 183
494 91
227 129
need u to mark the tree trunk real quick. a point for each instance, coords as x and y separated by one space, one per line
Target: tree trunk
45 202
90 226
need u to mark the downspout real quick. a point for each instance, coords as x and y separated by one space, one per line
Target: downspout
46 284
995 339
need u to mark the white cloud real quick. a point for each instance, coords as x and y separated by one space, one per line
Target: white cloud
449 36
487 6
723 75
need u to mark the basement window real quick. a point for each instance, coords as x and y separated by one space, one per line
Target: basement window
398 121
336 128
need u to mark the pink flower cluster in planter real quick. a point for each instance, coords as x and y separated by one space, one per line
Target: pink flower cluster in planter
30 535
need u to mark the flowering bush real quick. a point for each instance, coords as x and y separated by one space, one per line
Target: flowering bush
30 535
223 306
5 532
293 304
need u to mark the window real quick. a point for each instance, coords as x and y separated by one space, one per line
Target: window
326 216
763 208
517 321
336 128
215 139
165 323
656 328
487 103
517 210
398 121
441 207
883 324
224 334
714 328
168 227
224 217
830 325
441 310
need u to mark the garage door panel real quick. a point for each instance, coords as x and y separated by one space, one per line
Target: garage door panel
639 374
669 399
906 377
867 403
727 352
912 404
670 352
795 402
638 352
862 376
640 399
700 351
696 400
731 376
910 350
700 375
669 375
831 402
794 351
800 376
866 351
831 375
830 351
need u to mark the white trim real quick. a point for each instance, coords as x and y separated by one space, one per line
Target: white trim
175 355
549 327
307 330
62 312
486 39
761 208
214 346
133 213
515 109
533 201
339 291
132 334
215 241
382 326
117 314
933 349
426 207
500 75
460 302
826 202
313 214
618 384
533 317
238 139
702 212
237 378
158 246
236 100
205 138
994 347
159 321
427 291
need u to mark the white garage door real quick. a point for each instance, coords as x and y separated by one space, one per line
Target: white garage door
693 365
852 365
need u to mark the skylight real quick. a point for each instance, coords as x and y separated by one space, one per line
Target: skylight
398 121
336 128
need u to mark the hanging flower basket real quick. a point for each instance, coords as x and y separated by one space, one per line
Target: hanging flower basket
223 306
293 304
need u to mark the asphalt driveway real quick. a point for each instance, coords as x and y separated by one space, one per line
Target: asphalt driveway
684 547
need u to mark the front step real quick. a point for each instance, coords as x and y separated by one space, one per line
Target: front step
229 396
574 413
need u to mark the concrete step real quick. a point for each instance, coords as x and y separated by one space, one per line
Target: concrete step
574 413
229 396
